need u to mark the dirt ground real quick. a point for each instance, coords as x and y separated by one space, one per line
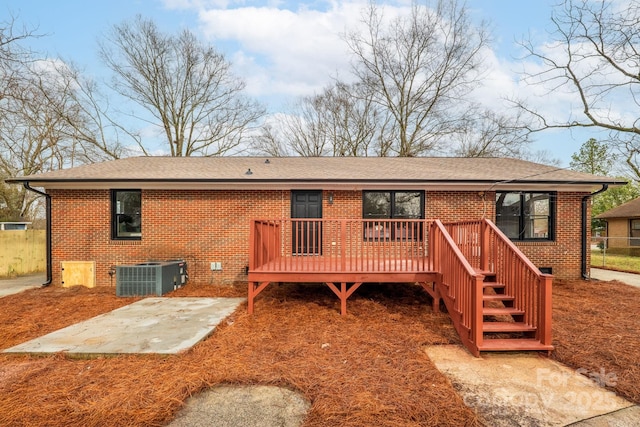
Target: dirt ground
367 368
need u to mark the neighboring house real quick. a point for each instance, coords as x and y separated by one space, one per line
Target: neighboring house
365 220
623 227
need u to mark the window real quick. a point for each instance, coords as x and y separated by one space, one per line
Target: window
126 220
634 232
392 205
526 216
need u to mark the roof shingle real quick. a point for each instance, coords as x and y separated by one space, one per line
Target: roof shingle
278 169
630 209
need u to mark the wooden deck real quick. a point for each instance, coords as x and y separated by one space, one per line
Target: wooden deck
323 269
342 251
471 266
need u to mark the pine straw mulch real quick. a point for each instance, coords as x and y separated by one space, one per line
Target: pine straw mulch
368 368
596 330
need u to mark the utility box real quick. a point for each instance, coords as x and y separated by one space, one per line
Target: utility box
150 278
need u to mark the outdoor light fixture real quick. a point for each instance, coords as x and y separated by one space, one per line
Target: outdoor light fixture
248 172
267 161
330 198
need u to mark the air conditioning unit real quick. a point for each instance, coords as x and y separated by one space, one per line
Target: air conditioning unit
150 278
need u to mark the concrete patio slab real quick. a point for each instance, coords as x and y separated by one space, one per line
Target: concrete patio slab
151 325
525 389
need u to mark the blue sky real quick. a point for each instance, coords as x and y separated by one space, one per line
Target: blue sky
282 49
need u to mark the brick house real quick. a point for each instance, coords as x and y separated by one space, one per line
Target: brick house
623 227
483 235
199 209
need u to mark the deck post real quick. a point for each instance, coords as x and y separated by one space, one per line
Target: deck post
436 300
484 245
433 250
252 245
253 290
343 242
250 296
343 293
544 309
476 310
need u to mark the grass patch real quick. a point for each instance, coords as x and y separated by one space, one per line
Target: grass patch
615 261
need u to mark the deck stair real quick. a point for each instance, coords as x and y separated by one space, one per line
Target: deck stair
503 325
504 303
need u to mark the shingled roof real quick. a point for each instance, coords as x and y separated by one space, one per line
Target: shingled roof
263 172
630 209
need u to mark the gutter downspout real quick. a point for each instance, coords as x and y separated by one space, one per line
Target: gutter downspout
48 239
583 251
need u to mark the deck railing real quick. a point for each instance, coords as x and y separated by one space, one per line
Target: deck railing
344 245
488 249
455 258
462 283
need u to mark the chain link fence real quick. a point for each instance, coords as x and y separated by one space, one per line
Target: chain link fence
619 253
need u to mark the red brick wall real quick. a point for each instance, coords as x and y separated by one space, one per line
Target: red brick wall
451 206
563 254
199 226
213 226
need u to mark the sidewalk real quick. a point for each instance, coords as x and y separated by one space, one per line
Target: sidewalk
19 284
607 275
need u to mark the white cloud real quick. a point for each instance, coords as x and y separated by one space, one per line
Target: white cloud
282 51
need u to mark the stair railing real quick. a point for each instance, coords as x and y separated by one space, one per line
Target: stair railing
462 285
488 249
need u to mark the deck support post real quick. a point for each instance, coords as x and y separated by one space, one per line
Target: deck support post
253 291
433 289
343 293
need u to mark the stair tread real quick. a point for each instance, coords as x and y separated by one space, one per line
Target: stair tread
493 285
513 344
497 297
506 327
497 311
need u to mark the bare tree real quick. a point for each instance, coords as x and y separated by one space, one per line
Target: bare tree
487 133
46 121
92 134
420 68
594 55
14 59
340 121
38 124
187 87
270 141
